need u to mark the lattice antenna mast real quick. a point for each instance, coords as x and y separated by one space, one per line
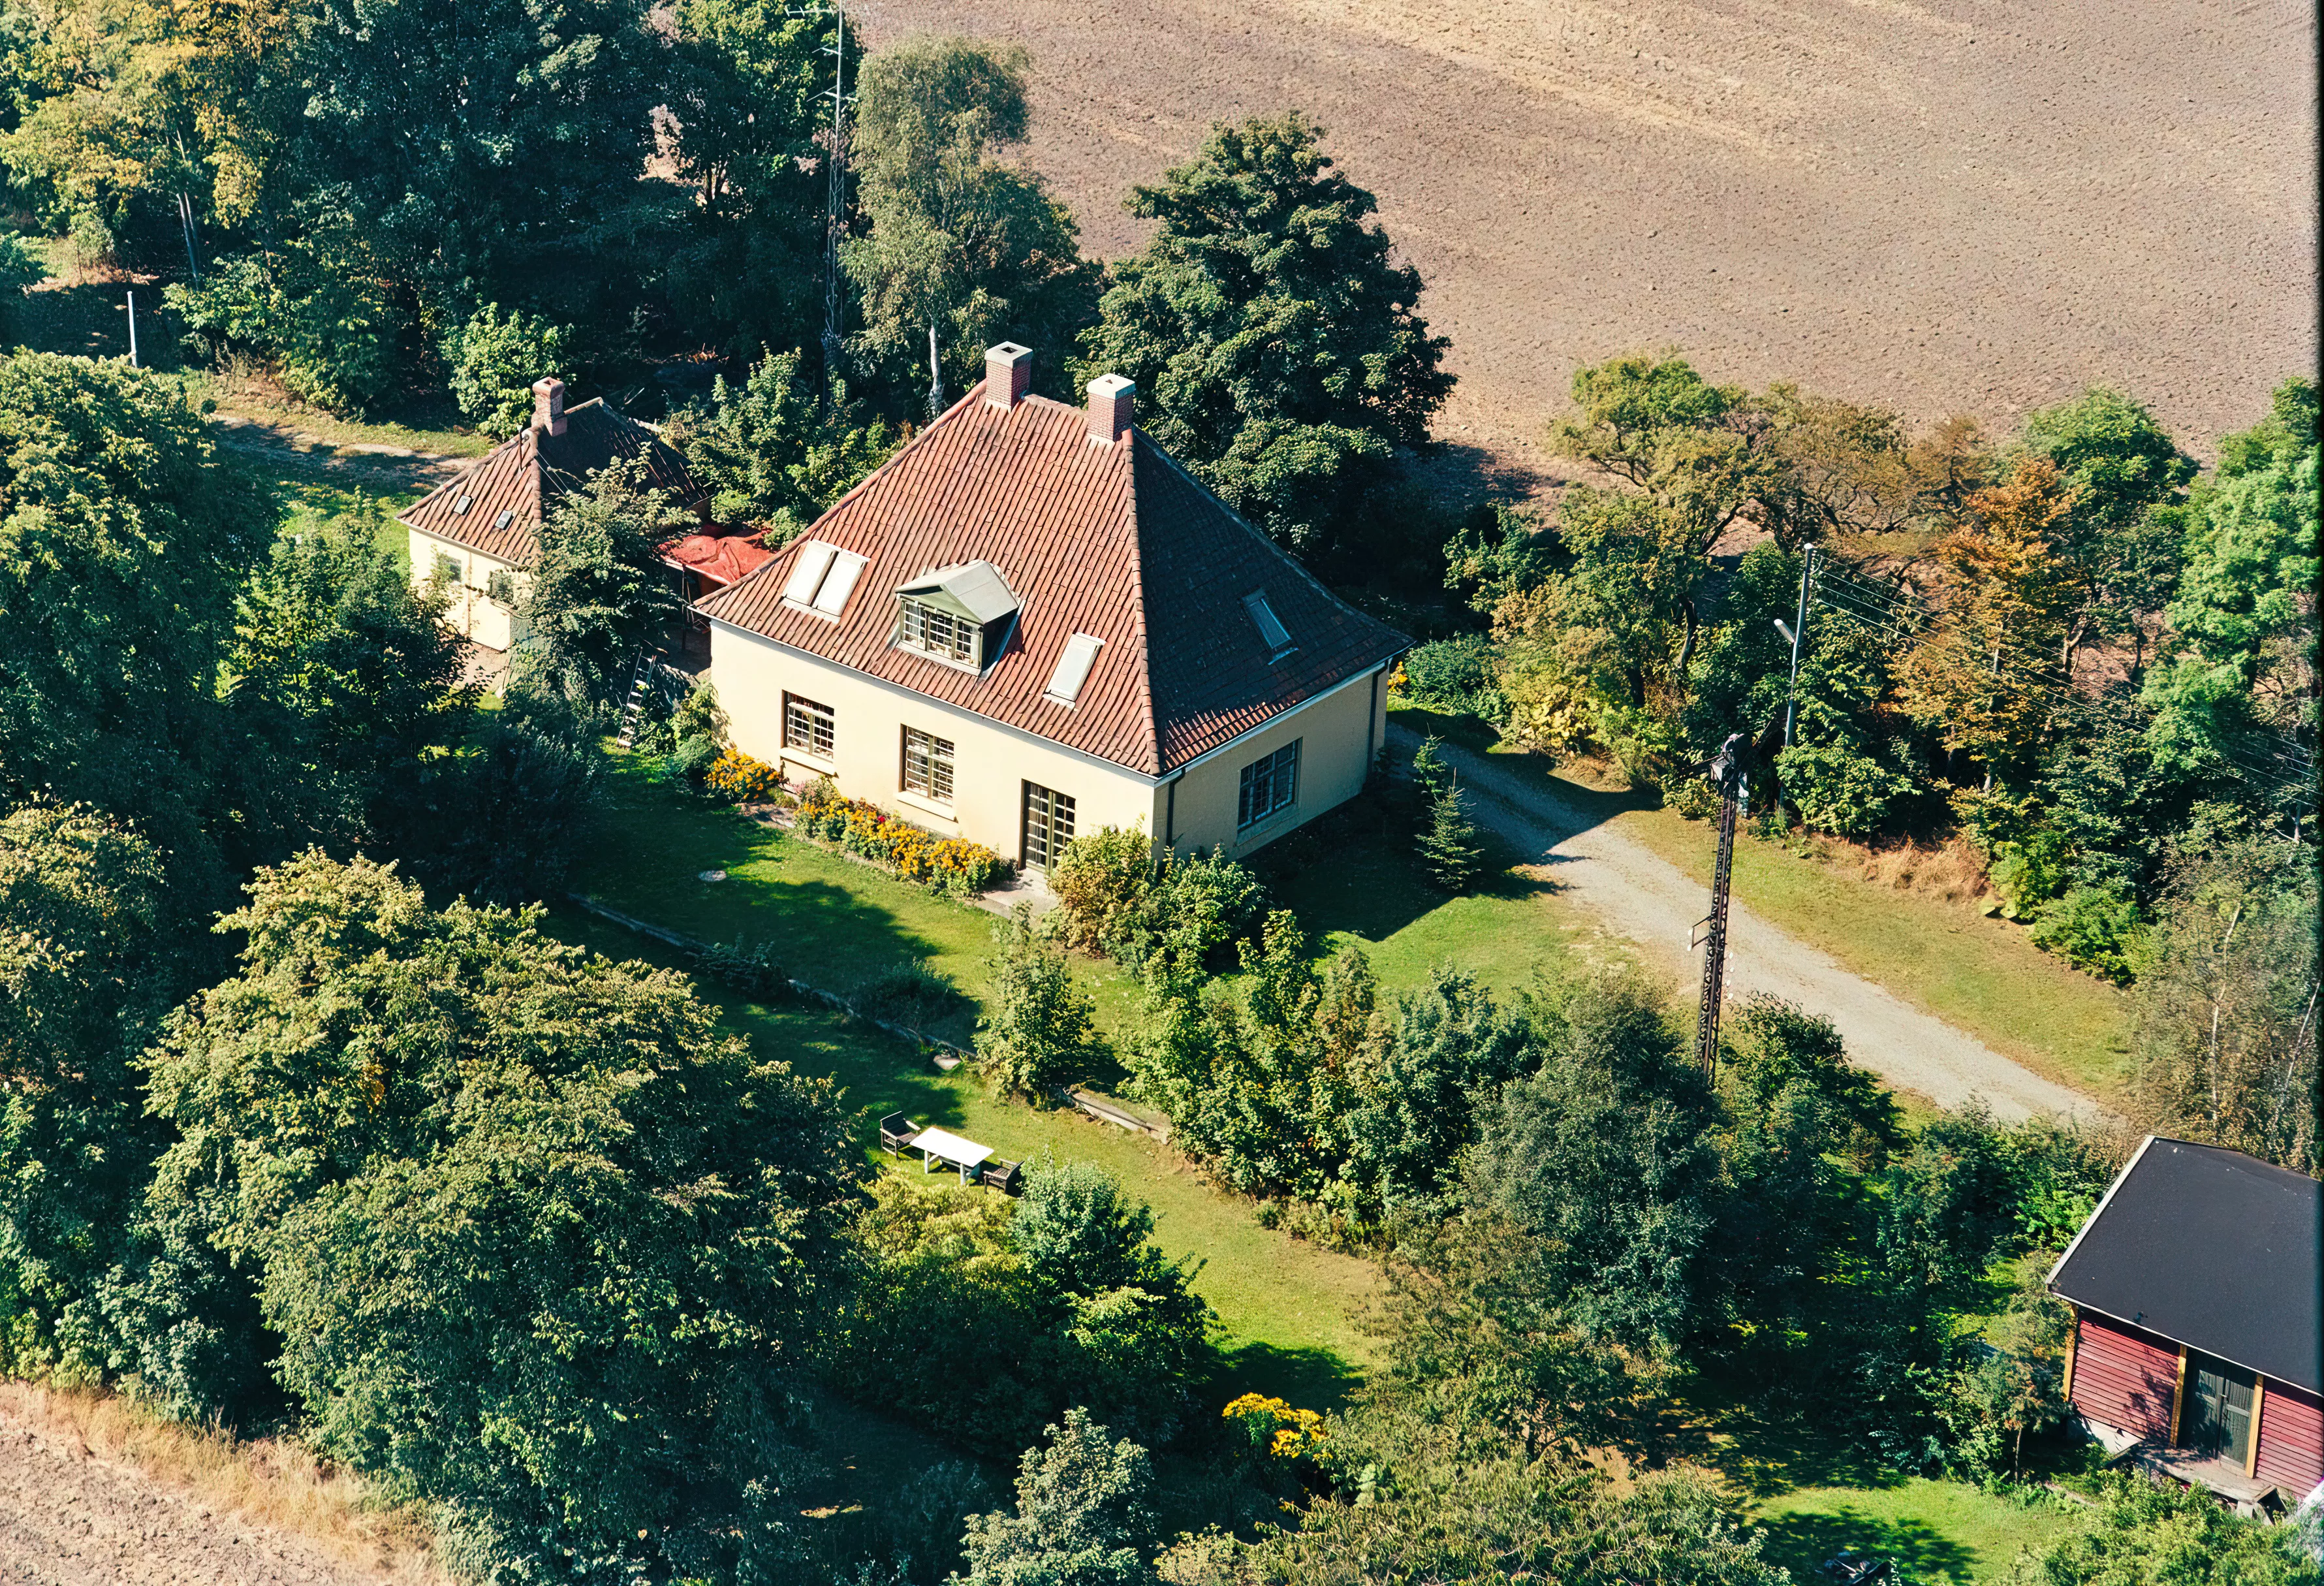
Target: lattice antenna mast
1728 773
835 211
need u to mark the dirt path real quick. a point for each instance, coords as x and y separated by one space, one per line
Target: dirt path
1646 898
1942 206
70 1518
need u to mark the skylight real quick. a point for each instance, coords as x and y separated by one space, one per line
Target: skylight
1270 627
823 577
1072 668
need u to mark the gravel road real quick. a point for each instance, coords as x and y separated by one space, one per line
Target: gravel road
69 1518
1640 896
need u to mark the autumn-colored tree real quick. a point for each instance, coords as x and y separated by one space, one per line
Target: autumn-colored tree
2009 595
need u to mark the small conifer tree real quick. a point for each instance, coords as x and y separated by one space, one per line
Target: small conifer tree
1452 849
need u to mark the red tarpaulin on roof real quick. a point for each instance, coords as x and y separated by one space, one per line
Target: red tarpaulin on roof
719 559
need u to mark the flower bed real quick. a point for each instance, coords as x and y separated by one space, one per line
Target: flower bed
738 778
946 864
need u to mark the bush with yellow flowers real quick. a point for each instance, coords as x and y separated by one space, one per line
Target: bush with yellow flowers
738 778
1274 1428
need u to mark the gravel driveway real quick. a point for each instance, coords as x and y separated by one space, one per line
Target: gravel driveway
1638 895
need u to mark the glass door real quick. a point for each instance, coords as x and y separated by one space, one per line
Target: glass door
1048 825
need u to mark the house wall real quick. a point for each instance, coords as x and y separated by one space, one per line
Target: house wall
2291 1438
1336 732
2125 1377
991 762
471 613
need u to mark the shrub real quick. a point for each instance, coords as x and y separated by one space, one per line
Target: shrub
1839 790
1455 674
1102 881
20 270
697 733
1042 1031
1202 901
1270 1426
752 970
1081 1517
2096 929
738 778
911 994
2148 1531
495 361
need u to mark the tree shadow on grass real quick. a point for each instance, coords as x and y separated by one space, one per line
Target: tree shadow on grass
1802 1543
1304 1376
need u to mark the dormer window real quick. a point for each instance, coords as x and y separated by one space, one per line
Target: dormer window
960 615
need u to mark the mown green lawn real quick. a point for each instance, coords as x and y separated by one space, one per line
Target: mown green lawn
1982 975
1289 1312
1935 1530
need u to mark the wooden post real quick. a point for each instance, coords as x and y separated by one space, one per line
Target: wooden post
2259 1408
2073 1339
2178 1396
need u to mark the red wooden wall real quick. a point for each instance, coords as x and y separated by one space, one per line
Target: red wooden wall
2124 1377
2290 1436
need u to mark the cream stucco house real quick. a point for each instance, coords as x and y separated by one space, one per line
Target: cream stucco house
479 532
1031 622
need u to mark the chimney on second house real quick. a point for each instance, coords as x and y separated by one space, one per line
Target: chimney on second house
1008 373
549 405
1111 400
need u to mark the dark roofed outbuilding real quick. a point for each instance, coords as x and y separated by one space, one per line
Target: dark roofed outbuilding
2199 1290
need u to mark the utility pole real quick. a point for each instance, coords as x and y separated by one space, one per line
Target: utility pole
133 327
1791 691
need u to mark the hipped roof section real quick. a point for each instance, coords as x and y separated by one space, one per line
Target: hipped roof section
1113 540
523 477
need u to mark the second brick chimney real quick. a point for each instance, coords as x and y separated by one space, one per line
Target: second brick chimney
549 405
1112 397
1008 373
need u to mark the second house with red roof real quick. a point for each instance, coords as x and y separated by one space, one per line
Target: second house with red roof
1031 622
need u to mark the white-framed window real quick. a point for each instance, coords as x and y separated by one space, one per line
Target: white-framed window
1049 825
1269 783
936 632
447 564
806 727
928 765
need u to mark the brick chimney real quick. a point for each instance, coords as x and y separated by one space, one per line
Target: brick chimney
1008 373
549 405
1110 399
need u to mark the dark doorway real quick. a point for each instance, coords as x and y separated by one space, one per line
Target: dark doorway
2219 1421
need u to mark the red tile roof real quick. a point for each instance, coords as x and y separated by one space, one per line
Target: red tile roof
523 477
722 559
1113 541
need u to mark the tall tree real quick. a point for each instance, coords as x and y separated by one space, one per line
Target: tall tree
1272 329
90 964
1976 680
598 591
122 541
771 452
2240 675
963 247
537 1241
2117 465
340 681
1082 1517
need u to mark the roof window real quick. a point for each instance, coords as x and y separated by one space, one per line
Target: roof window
1072 668
1271 626
961 615
463 504
823 577
504 520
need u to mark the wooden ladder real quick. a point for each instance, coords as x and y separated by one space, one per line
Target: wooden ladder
633 706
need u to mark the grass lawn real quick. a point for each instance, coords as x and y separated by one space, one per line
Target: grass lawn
1288 1310
1935 1530
1981 975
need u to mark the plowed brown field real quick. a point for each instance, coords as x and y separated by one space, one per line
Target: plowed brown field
1957 206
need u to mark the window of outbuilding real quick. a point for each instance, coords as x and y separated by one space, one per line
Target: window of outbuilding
1269 784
